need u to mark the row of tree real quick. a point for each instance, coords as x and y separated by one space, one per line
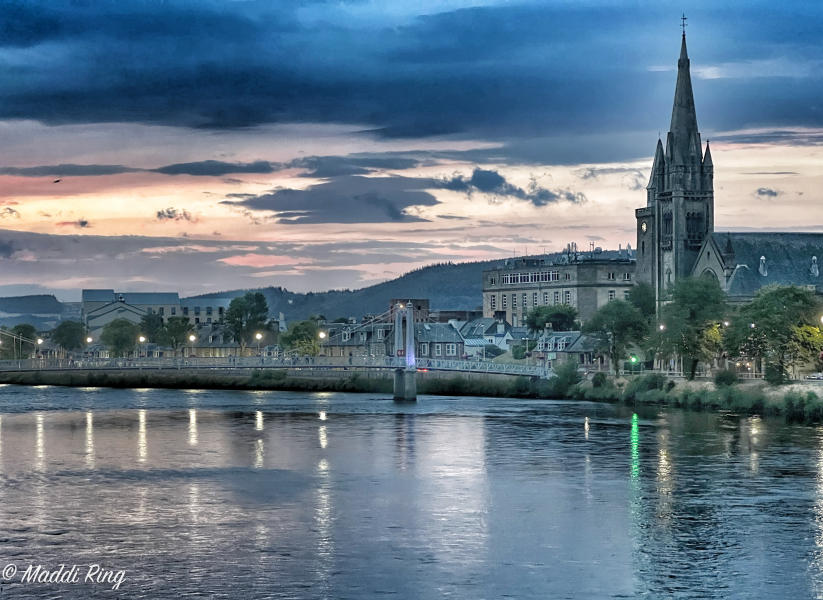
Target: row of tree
779 328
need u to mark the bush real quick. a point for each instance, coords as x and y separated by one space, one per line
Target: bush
599 380
644 383
774 374
724 378
518 352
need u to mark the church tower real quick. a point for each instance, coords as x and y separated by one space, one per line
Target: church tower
679 211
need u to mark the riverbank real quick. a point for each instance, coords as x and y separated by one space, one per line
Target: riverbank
798 402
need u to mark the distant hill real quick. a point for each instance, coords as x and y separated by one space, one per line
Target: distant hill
43 311
448 286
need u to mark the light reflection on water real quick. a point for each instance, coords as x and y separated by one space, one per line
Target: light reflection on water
299 496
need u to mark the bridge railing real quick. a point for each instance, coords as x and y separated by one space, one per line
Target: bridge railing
295 362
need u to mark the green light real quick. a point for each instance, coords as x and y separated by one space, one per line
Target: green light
633 358
635 447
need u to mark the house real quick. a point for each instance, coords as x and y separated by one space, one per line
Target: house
557 347
480 332
352 339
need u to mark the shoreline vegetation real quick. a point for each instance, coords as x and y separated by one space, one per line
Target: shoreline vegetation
801 403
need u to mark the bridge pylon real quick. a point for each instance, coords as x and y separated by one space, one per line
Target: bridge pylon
405 377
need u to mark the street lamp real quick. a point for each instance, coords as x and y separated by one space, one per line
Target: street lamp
258 336
142 340
661 327
88 340
192 337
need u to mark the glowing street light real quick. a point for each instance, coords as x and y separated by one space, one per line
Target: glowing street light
88 340
322 335
141 339
258 336
661 327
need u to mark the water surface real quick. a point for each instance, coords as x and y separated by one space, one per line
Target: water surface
217 494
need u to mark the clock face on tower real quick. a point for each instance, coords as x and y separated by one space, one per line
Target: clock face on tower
643 226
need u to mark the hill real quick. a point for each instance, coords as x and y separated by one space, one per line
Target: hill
448 286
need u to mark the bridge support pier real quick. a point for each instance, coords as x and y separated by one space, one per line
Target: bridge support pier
405 385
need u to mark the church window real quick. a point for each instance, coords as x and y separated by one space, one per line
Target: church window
667 224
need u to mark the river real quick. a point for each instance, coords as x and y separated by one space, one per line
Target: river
216 494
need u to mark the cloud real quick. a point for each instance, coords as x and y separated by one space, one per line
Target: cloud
494 184
765 192
79 224
334 166
173 214
346 199
216 168
9 213
66 170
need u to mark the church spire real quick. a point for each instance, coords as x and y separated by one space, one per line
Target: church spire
683 135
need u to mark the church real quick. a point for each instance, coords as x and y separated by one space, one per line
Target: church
675 230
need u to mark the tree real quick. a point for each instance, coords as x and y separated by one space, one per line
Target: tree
302 337
120 336
774 327
641 295
151 326
561 316
691 321
246 316
175 332
25 337
614 327
69 335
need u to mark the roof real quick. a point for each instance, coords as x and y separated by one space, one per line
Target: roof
436 332
789 259
478 327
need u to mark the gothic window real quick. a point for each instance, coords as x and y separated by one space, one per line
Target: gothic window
694 225
667 223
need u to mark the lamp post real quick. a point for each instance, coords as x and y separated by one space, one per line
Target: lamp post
322 337
142 340
258 336
192 338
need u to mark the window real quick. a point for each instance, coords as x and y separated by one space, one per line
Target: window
438 350
625 294
173 310
554 275
545 297
514 300
196 310
505 300
544 276
611 295
534 299
567 297
345 336
424 348
525 301
493 301
534 277
567 276
492 281
208 310
185 311
220 311
557 297
610 276
627 276
362 337
208 319
451 349
380 333
161 311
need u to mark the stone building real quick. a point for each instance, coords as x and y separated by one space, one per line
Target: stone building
675 230
584 280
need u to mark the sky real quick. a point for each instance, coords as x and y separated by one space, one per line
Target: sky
198 146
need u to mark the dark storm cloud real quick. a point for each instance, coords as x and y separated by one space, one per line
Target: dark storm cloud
508 72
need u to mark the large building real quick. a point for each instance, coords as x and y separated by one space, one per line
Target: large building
584 280
675 230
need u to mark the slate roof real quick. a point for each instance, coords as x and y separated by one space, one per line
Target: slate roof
788 260
192 302
151 298
436 332
478 327
98 295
